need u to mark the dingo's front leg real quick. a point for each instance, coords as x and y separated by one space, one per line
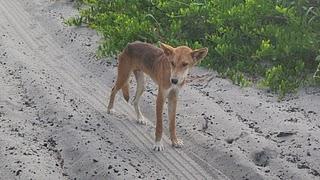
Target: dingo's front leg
159 109
172 106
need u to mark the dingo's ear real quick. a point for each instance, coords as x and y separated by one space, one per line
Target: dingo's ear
199 54
168 50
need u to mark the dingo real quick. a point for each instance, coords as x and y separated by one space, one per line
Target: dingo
168 67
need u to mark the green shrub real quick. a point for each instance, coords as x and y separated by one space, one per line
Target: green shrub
317 73
237 77
275 40
283 80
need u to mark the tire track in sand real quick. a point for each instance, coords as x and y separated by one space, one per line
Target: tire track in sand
174 161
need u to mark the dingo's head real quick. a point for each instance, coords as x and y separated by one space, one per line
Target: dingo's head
181 59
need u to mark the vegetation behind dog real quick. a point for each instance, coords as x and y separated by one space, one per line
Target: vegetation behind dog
276 40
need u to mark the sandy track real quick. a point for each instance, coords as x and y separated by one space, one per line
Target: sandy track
54 125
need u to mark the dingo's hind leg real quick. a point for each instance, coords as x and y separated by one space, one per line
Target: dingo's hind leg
122 82
140 88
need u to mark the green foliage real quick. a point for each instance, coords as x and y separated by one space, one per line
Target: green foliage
283 80
237 77
276 40
317 73
77 21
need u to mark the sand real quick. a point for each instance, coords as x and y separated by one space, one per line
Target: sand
54 125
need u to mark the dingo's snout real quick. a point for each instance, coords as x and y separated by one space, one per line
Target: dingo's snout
174 81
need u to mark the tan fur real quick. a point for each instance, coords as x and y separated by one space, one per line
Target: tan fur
168 68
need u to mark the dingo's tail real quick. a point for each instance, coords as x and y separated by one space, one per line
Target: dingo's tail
125 91
124 72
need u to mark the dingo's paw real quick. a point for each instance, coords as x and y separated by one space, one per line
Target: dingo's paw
142 120
111 111
158 146
177 143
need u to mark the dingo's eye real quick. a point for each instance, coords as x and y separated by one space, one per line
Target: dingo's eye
184 64
172 64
